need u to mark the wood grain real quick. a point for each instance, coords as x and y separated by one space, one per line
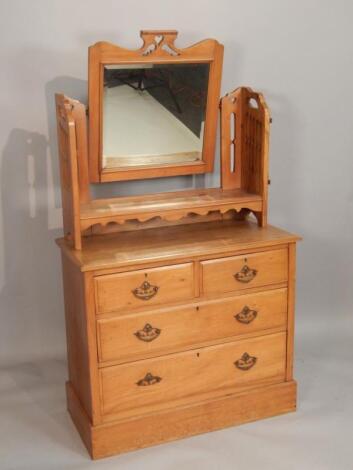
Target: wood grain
116 291
131 161
176 423
207 51
269 267
70 195
176 324
168 206
245 121
197 338
187 326
80 118
76 335
190 376
176 243
291 309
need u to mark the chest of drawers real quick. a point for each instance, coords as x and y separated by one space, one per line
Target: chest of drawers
178 330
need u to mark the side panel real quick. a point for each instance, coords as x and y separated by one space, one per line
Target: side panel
80 350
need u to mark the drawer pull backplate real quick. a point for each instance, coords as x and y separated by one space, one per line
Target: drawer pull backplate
246 316
149 379
146 291
246 362
246 274
148 333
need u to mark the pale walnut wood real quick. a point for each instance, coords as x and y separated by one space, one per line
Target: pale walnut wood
76 339
156 222
169 206
158 47
246 138
81 214
116 291
242 191
66 131
169 244
176 423
291 308
81 338
179 310
189 363
270 267
148 160
187 326
190 376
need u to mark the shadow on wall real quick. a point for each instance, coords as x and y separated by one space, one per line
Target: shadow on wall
30 300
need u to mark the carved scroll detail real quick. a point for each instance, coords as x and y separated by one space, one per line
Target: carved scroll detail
159 43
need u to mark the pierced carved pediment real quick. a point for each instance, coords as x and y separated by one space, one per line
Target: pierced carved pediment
159 43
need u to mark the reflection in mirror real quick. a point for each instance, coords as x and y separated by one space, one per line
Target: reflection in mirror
153 114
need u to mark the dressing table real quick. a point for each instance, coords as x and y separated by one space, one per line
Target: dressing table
180 305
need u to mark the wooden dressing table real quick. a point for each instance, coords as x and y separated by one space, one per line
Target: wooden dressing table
179 307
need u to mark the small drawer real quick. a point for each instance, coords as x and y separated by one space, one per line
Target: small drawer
136 336
177 379
243 272
144 288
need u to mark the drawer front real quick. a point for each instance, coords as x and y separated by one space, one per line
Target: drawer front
144 288
153 384
138 335
243 272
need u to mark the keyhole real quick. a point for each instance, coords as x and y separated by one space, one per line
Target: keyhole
198 354
197 308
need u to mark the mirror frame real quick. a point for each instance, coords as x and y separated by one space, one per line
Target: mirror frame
158 47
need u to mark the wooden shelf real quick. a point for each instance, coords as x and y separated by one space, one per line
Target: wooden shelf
168 206
176 243
82 216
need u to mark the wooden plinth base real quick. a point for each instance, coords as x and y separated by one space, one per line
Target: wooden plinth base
121 436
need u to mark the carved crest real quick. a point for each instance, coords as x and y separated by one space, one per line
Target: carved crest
159 43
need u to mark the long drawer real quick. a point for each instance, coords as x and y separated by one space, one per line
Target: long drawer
245 271
172 380
146 334
144 288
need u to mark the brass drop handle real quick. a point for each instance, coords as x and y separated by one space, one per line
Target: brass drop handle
246 315
145 291
246 274
148 333
149 379
246 362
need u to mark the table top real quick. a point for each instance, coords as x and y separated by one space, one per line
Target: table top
173 244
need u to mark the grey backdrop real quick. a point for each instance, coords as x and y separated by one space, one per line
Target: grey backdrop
299 54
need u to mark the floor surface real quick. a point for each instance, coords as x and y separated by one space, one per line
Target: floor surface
36 431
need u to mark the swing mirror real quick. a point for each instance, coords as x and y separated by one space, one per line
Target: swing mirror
153 111
153 114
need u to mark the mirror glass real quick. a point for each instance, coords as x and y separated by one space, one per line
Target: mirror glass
153 114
